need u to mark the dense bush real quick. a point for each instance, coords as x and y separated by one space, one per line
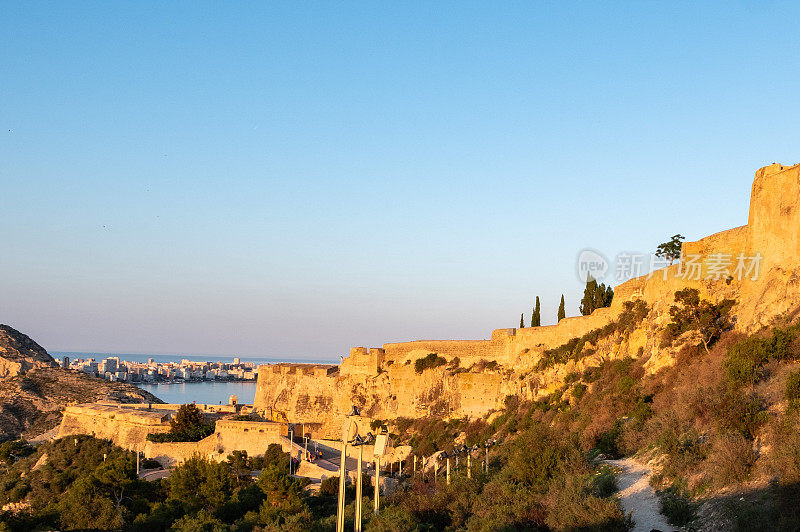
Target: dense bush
732 459
432 360
677 507
605 481
745 362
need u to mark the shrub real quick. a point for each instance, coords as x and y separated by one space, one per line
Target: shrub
150 463
793 389
677 507
632 315
10 451
429 362
731 460
608 442
746 358
744 361
329 487
578 390
604 483
784 450
742 413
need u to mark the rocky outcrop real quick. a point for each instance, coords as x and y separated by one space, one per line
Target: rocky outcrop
18 353
34 389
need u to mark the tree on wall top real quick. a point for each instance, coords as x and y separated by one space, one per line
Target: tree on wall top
562 311
670 250
536 316
595 296
522 321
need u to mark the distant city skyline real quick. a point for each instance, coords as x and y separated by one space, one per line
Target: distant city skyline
298 179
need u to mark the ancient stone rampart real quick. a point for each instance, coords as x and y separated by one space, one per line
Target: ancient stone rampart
129 425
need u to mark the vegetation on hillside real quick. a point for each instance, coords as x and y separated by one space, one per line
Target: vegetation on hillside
576 348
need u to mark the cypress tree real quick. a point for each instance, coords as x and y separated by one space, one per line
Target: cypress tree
536 317
522 321
595 297
562 312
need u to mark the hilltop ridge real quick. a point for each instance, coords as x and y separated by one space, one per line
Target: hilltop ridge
18 353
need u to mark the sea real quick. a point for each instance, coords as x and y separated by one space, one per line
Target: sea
204 392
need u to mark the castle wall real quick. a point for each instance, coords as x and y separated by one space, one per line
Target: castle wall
774 219
128 429
170 454
384 382
731 242
466 350
128 426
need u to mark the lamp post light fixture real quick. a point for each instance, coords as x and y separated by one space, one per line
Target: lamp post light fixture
381 445
349 433
488 444
291 445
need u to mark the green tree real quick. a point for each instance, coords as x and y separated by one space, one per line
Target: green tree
536 315
562 311
85 507
187 418
692 313
595 296
522 321
670 250
199 483
240 465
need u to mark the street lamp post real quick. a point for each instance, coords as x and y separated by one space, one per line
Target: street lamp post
359 496
349 433
381 445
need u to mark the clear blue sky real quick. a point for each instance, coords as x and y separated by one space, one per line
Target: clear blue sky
295 178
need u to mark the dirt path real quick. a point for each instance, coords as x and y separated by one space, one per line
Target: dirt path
638 497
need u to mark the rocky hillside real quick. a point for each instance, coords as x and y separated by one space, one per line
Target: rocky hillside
34 389
18 353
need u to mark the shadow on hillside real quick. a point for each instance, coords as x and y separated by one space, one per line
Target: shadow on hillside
776 507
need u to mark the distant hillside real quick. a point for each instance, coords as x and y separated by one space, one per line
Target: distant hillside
33 388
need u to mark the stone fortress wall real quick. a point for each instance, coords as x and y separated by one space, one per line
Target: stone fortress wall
383 380
128 426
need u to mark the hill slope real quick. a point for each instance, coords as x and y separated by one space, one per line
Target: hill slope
33 388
